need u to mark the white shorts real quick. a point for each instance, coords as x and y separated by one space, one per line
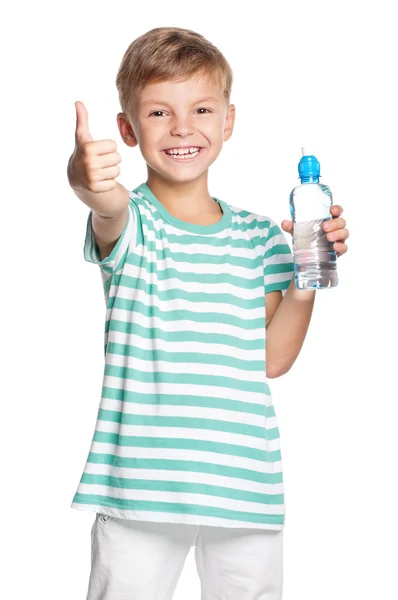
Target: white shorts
142 560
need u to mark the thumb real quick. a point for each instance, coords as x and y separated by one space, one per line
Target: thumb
287 226
82 134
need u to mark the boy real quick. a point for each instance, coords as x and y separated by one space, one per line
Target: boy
186 446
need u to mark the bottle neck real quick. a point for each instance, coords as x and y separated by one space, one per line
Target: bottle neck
310 179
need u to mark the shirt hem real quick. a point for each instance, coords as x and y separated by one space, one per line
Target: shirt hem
174 518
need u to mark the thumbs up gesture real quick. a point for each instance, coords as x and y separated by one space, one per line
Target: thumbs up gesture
93 166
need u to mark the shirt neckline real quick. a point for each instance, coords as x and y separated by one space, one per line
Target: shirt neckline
193 227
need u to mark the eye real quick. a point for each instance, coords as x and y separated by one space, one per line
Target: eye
156 112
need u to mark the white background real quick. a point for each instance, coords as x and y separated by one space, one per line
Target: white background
320 73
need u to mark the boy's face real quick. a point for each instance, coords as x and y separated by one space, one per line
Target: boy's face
169 115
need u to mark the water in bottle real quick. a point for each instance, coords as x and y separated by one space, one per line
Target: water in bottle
310 202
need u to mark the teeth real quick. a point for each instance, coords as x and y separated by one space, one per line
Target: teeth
192 150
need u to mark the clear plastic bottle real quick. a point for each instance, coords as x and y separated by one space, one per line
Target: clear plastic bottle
314 258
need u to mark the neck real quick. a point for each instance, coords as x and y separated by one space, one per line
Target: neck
183 199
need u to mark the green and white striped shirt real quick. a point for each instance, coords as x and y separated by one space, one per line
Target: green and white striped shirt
186 430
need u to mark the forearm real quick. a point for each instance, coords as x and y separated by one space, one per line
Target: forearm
287 329
105 204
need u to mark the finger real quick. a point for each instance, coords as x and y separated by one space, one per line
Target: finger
109 173
109 159
332 224
340 248
336 236
336 210
287 225
106 147
82 133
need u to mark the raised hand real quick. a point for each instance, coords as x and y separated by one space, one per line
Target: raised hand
93 166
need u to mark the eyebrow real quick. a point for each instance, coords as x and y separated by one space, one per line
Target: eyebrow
154 101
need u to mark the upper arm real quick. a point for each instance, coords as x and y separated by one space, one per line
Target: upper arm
278 261
272 301
109 240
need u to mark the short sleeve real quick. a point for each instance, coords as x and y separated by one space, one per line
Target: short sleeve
117 258
278 261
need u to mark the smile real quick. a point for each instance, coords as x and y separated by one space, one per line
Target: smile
183 154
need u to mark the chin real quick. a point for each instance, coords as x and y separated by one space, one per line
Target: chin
182 176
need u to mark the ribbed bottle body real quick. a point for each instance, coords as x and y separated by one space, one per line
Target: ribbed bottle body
315 263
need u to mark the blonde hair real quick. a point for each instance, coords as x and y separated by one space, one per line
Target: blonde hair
169 54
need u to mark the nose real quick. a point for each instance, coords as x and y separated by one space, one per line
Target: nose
182 126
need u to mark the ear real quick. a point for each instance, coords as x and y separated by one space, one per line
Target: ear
229 122
126 131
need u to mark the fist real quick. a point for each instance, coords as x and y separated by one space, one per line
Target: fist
335 229
93 166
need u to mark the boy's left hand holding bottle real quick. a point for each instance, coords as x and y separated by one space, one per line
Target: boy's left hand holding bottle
92 169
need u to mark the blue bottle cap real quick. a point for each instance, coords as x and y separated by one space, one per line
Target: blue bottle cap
309 165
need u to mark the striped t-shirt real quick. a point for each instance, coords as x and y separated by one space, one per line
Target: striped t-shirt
186 430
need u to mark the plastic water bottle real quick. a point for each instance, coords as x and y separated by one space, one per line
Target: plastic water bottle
310 202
